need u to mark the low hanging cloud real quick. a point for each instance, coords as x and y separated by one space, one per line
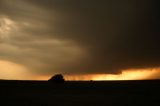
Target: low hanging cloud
80 37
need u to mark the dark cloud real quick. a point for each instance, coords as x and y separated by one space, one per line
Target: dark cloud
83 36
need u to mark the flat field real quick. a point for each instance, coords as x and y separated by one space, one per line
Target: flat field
80 93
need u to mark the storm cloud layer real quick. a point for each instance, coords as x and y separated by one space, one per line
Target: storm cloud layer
80 36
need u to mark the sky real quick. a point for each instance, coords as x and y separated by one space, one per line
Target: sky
81 39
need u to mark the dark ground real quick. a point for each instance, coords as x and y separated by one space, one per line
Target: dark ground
109 93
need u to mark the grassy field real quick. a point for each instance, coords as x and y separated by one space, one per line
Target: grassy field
77 93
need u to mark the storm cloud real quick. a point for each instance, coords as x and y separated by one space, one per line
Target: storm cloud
80 36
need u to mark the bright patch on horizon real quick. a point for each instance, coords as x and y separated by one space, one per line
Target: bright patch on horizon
126 75
10 70
131 74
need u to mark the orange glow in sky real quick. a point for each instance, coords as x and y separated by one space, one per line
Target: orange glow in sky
11 70
132 74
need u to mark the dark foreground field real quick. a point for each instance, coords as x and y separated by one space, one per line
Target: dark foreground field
112 93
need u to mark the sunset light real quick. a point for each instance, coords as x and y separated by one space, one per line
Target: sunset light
82 40
10 70
126 75
79 52
131 74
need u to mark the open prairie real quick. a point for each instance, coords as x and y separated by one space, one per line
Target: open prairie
80 93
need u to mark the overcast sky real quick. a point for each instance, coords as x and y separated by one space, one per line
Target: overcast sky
79 36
